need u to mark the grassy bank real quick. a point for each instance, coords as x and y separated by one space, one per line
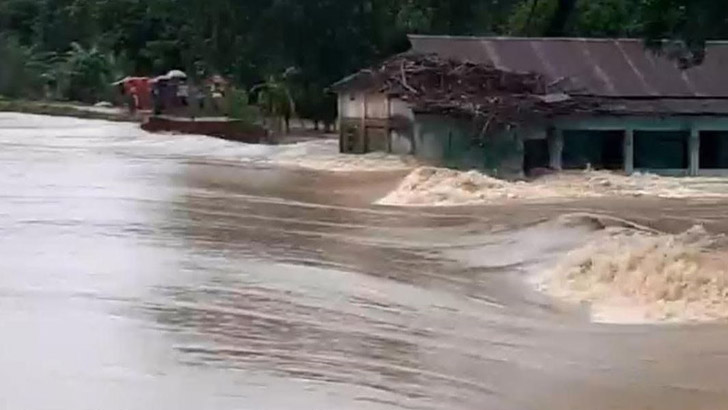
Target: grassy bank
66 110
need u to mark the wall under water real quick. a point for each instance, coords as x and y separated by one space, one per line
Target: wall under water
456 143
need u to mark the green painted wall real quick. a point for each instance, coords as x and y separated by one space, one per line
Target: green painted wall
454 143
660 143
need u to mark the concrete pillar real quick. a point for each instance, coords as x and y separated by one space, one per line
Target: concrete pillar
521 158
628 151
363 126
339 109
694 152
388 126
556 149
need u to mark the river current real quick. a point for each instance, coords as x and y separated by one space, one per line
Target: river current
153 271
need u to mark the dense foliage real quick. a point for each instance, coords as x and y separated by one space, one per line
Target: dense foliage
71 49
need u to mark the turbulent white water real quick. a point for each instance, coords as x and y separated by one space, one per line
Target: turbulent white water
318 154
623 273
324 155
428 186
630 276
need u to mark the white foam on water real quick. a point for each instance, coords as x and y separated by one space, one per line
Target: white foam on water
628 275
324 155
429 186
319 154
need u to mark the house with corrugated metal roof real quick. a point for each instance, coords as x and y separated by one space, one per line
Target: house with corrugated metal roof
646 113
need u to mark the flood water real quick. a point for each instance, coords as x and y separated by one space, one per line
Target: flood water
142 271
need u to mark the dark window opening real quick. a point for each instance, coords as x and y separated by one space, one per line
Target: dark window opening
598 149
661 149
535 155
714 149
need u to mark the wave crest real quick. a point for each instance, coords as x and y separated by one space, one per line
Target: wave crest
635 275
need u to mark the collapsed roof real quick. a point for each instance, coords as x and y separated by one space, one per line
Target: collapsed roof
434 84
548 76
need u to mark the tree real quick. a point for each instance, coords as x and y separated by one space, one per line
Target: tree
275 101
690 23
587 18
249 40
89 73
531 18
557 26
19 70
608 18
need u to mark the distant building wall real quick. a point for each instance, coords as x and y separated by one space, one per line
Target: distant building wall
402 131
372 121
351 104
377 106
399 108
670 145
401 143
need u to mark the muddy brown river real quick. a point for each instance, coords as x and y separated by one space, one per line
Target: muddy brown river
142 271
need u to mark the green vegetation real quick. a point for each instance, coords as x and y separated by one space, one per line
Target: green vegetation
238 104
73 49
275 101
19 74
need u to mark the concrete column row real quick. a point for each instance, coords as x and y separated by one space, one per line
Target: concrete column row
556 148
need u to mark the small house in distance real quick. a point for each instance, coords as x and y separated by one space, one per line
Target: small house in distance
600 103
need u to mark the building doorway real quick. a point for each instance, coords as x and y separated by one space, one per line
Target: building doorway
595 149
661 149
714 149
535 155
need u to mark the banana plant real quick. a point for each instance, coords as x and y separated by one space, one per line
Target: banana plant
275 100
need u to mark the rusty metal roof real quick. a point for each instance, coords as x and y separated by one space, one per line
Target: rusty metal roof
596 67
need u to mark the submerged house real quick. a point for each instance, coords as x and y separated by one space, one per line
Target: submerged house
602 103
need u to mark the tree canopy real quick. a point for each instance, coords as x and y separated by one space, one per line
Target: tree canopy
77 45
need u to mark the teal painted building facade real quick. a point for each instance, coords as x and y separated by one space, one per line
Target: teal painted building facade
456 143
669 145
646 113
